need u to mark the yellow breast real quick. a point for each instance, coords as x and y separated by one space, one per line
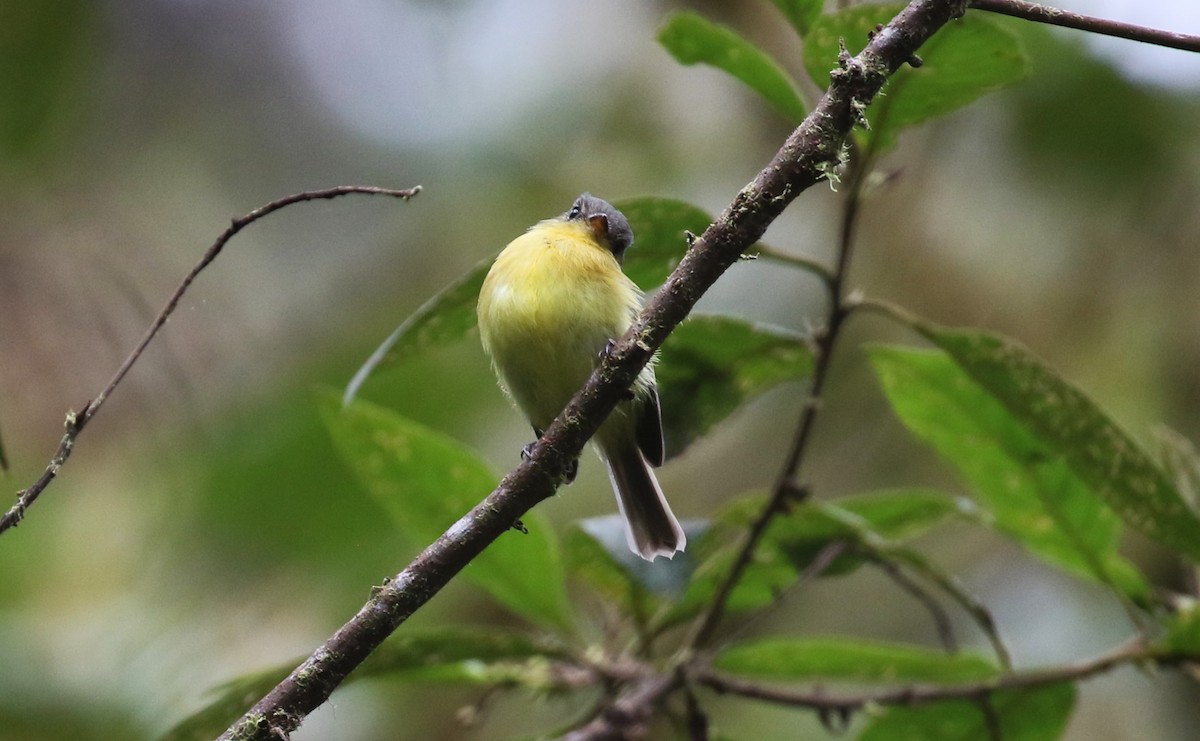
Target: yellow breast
549 304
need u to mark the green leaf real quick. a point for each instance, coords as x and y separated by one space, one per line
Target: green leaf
461 655
769 574
872 519
1181 462
711 365
1034 495
800 13
1033 714
426 481
447 317
1099 452
691 38
454 655
849 659
965 60
597 551
45 63
658 232
588 559
793 540
1183 631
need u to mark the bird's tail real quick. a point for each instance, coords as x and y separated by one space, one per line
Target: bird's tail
650 526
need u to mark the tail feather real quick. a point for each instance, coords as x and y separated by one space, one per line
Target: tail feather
650 526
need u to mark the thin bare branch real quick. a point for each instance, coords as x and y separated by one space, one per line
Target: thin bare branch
941 619
821 700
787 489
75 422
1091 24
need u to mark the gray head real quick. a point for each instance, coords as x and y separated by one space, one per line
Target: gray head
608 224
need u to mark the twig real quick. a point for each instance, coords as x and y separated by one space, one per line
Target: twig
941 619
787 489
77 421
801 262
978 612
1080 22
820 700
631 711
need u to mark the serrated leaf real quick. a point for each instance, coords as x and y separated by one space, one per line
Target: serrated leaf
964 61
1032 714
1098 451
447 317
692 39
658 236
801 14
1035 497
452 655
857 659
426 481
711 365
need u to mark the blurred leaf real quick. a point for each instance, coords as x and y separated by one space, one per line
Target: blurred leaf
967 59
454 655
1083 126
426 482
659 242
589 560
1033 493
44 48
1183 631
764 580
851 659
794 539
447 317
602 556
691 38
800 13
1181 463
1078 432
808 528
891 513
711 365
1034 714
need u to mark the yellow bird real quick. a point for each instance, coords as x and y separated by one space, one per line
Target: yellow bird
550 305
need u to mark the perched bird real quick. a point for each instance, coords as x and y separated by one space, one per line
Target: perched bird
549 307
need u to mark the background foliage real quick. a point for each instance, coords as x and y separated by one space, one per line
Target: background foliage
208 527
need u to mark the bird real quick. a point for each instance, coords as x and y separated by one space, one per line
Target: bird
549 309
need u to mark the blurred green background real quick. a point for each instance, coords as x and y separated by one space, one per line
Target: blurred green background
203 528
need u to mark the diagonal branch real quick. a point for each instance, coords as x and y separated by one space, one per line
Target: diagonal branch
1080 22
77 421
810 153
